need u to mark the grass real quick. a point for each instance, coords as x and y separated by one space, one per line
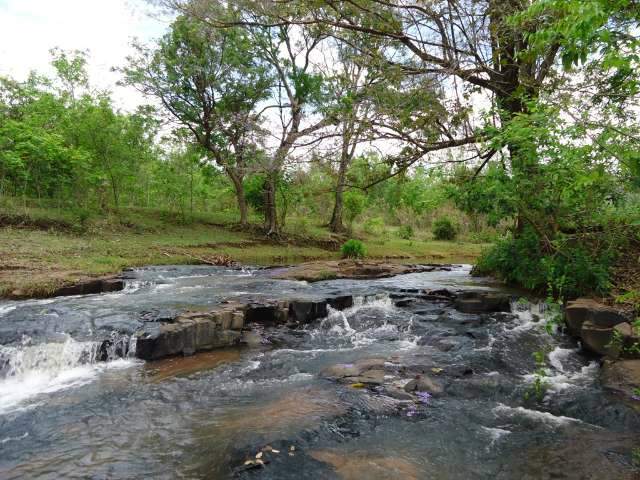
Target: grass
43 250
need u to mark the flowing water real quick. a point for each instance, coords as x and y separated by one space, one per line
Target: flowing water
71 409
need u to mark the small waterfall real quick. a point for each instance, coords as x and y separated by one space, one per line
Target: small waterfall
27 370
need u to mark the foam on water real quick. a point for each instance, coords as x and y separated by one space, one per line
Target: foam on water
6 309
544 417
495 433
28 371
558 355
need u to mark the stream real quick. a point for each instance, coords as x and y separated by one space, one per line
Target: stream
66 413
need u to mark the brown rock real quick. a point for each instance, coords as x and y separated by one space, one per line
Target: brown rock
586 309
482 302
598 339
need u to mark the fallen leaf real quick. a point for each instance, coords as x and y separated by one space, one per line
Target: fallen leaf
358 385
249 462
259 455
273 450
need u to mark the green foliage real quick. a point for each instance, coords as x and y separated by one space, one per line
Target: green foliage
444 229
353 249
567 270
406 232
254 191
354 204
540 382
374 226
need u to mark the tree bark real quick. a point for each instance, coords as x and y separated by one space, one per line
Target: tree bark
270 207
336 225
236 179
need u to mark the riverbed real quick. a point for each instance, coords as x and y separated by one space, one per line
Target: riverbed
266 410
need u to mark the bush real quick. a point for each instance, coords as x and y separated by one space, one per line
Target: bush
444 229
572 272
353 249
374 226
405 232
354 203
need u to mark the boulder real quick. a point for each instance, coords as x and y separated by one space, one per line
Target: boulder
370 377
482 302
598 339
585 309
347 372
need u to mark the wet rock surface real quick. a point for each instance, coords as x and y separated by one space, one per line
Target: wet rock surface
334 380
604 330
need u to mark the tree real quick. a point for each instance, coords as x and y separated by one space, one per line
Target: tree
212 82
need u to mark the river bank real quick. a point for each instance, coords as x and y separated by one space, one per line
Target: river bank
40 256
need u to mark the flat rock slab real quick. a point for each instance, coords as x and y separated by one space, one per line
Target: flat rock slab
352 269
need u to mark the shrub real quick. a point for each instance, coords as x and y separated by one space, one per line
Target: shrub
353 249
374 226
444 229
569 273
405 232
354 203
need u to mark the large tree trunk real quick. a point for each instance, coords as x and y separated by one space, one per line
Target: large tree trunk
270 209
236 179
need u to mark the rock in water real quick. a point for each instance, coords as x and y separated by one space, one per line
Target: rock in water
586 309
482 302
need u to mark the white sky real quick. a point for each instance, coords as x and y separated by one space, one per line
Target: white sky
30 28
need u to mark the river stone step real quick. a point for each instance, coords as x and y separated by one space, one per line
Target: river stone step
191 332
91 286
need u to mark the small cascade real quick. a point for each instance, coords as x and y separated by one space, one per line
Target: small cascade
27 370
371 319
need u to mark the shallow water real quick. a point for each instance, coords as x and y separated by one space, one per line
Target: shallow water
64 414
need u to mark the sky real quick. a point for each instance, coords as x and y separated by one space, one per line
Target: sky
30 28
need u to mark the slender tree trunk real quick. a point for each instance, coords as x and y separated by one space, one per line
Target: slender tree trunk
336 225
236 179
270 208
